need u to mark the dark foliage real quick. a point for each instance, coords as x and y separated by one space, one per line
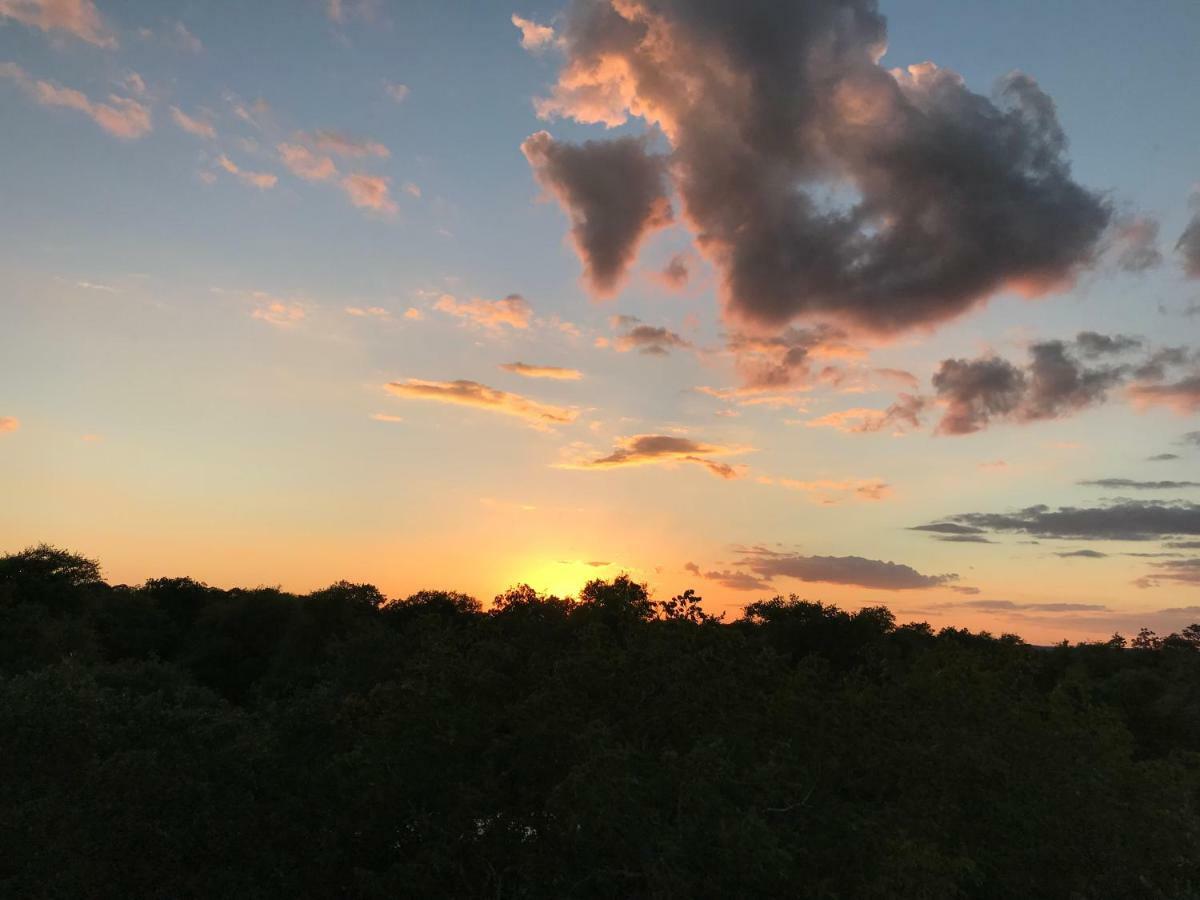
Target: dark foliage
175 740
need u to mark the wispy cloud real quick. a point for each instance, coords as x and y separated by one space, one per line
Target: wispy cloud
78 18
199 126
553 372
304 163
371 192
513 310
660 449
262 180
122 117
533 35
398 92
480 396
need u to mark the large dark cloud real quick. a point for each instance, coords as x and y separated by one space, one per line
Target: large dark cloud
855 570
615 193
942 196
1121 520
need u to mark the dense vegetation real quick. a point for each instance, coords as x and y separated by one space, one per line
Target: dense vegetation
175 740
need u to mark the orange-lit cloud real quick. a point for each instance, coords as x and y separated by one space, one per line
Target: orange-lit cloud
858 420
304 163
78 18
552 372
369 192
659 449
385 417
513 311
122 117
261 180
9 424
533 35
414 314
276 311
1183 395
472 393
193 125
830 490
376 312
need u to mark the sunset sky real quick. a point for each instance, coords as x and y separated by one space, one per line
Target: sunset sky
876 304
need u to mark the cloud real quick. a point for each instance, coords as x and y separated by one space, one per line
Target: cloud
414 314
652 340
200 127
1162 457
1188 248
276 311
79 18
1136 243
1083 554
513 311
657 449
376 312
339 11
304 163
852 570
385 417
370 192
859 420
784 361
1054 384
122 117
553 372
340 144
830 490
533 35
955 196
948 528
1179 571
1091 344
675 274
1003 605
395 90
472 393
614 193
1120 520
734 581
264 181
1183 395
1124 483
184 40
9 424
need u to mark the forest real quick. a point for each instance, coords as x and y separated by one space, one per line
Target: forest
175 740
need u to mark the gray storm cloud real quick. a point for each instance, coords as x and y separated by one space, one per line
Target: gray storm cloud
819 183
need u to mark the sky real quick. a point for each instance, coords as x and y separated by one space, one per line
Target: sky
877 304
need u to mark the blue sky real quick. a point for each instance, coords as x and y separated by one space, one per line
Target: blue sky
194 338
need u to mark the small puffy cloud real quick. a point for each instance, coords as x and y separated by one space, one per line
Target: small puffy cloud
614 193
371 192
556 373
304 163
197 125
375 312
652 340
8 424
413 314
262 180
472 393
122 117
1136 244
398 92
513 311
676 273
851 570
659 449
340 144
533 35
78 18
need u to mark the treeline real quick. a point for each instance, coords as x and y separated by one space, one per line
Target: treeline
173 740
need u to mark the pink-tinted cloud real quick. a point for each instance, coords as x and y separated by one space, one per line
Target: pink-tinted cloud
552 372
480 396
1183 395
533 35
78 18
906 411
304 163
614 193
513 311
675 274
340 144
122 117
371 192
199 126
262 180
